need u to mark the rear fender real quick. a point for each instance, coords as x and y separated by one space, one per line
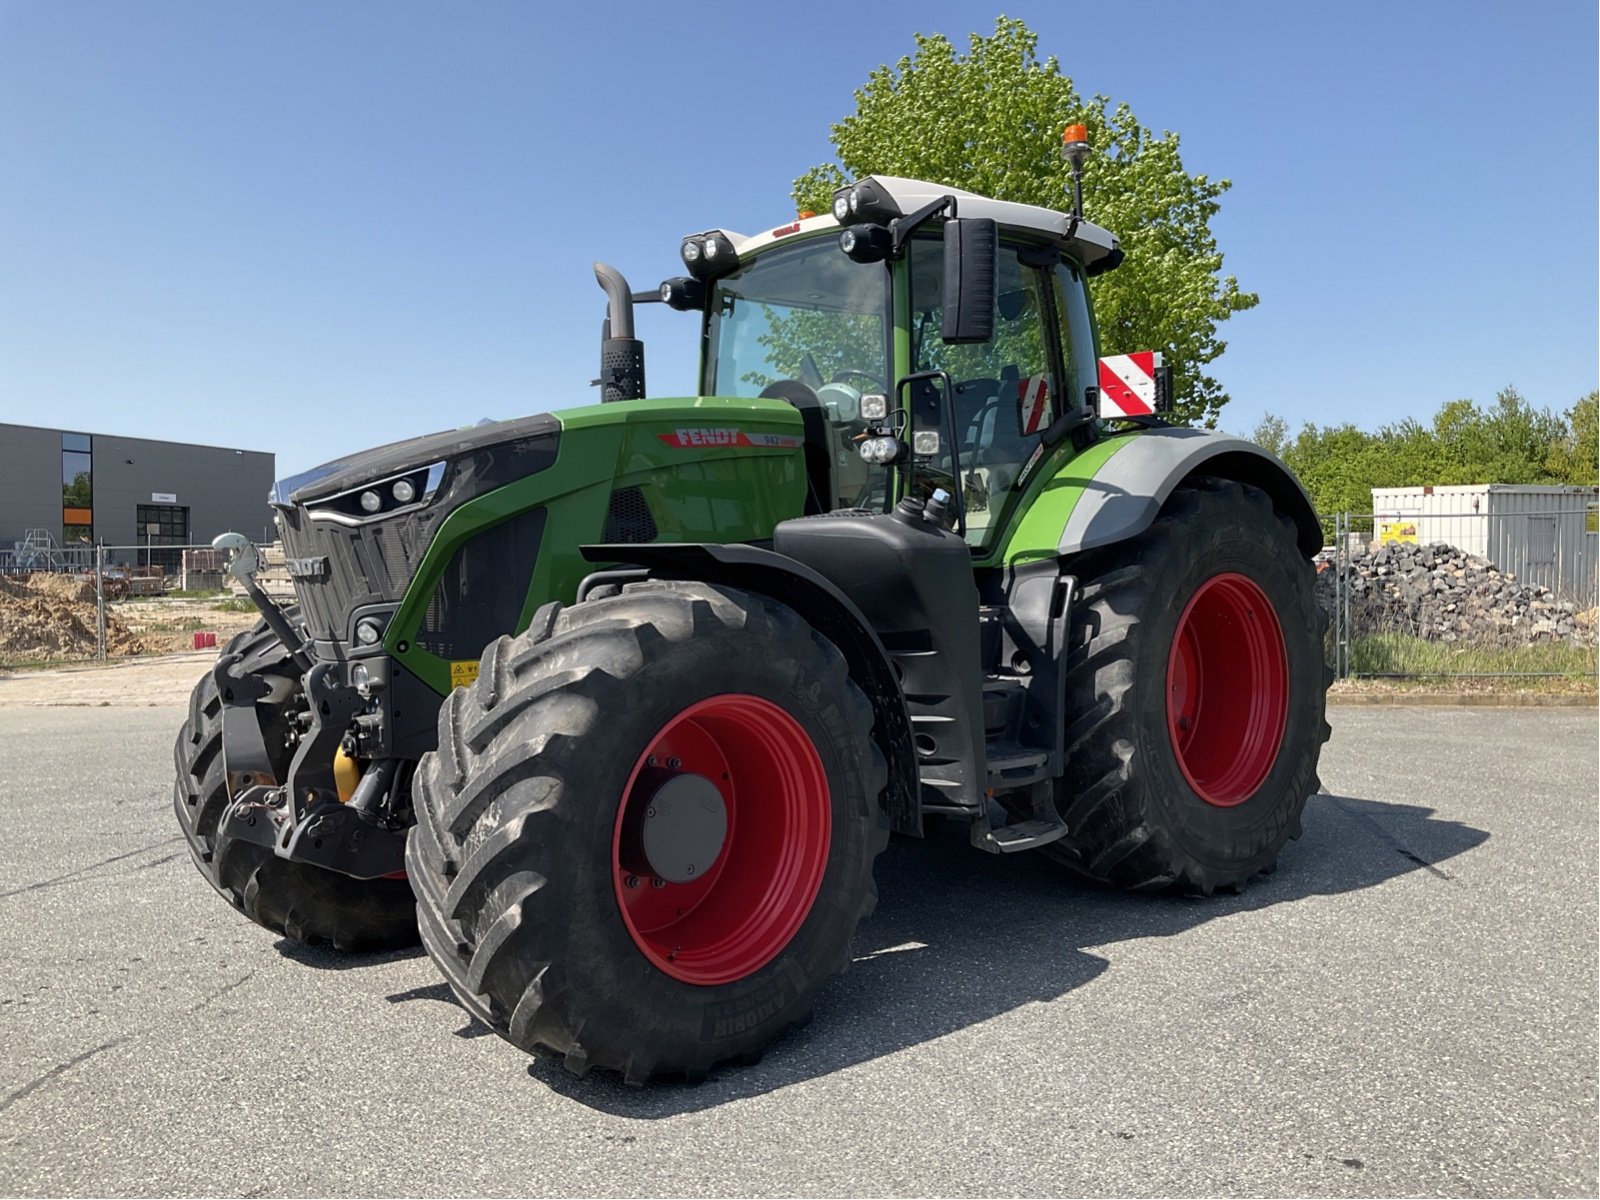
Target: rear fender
1124 495
826 609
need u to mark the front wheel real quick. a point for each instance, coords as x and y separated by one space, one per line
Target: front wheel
647 836
301 901
1196 690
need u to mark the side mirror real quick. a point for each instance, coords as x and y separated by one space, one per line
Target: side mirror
971 257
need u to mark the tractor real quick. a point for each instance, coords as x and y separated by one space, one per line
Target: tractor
615 707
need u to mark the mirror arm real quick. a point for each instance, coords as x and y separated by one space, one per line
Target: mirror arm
901 228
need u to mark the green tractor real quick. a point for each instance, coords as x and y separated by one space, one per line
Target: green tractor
617 706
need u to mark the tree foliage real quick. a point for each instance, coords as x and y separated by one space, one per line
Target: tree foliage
990 121
1509 441
1575 457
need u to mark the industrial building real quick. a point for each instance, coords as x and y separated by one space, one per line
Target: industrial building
84 489
1544 535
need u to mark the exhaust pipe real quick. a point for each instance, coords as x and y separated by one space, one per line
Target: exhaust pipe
621 354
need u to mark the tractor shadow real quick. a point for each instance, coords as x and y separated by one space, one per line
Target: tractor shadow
961 936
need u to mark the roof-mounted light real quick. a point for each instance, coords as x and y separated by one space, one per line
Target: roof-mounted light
866 243
864 202
709 254
1075 149
683 294
1075 143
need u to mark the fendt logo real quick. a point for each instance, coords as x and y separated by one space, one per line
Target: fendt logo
307 568
685 438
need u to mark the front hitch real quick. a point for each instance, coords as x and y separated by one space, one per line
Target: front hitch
324 833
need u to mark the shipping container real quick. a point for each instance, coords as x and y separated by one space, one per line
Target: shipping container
1542 535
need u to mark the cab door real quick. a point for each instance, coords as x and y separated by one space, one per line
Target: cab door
1006 391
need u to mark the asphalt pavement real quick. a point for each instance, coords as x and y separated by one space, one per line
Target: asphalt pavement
1407 1006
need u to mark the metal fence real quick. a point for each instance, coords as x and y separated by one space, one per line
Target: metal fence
150 599
104 602
1519 603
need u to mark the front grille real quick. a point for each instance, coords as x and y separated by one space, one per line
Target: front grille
483 588
367 564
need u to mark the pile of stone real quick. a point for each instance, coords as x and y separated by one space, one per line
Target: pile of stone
1444 594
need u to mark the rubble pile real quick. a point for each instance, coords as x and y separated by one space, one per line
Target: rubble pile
47 618
1444 594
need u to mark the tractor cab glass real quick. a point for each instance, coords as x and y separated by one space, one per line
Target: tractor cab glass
1006 391
804 324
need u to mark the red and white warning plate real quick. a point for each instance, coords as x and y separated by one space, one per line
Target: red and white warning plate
1128 384
1034 395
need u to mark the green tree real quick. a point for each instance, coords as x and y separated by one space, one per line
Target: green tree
1510 441
990 121
1272 434
1575 457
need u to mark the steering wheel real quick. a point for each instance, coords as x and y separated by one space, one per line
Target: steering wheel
792 390
848 373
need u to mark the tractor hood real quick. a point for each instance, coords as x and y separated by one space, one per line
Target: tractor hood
531 439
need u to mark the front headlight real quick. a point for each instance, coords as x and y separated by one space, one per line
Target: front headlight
381 498
881 451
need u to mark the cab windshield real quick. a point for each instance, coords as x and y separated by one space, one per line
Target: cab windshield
806 324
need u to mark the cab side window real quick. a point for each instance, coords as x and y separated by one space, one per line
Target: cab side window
1006 389
1077 335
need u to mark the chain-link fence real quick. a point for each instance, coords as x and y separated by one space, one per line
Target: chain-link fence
108 602
1518 600
1515 599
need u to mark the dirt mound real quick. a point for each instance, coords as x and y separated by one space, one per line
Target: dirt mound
44 618
74 588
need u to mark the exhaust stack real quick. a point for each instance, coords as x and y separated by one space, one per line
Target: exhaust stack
621 354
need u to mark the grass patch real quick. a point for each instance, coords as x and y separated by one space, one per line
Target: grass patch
179 594
236 604
1400 654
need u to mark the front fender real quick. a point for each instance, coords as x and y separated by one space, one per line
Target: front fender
826 609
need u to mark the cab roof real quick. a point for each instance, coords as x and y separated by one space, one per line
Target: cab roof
1088 244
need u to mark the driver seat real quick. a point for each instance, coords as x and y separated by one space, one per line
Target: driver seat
818 443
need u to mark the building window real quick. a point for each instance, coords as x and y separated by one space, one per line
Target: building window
163 524
77 489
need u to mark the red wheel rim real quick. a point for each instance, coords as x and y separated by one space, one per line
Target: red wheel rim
1227 689
741 911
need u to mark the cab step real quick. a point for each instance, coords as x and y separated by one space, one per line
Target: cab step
1023 835
1044 827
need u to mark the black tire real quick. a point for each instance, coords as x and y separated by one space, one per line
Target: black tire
512 856
1134 815
302 902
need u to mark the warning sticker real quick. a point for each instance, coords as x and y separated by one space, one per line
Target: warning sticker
1128 384
462 673
1033 393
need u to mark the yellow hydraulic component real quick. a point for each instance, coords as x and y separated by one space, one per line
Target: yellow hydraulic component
345 775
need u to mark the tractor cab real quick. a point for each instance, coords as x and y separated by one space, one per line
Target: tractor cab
922 354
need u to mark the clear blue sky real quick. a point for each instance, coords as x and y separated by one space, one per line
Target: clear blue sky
310 227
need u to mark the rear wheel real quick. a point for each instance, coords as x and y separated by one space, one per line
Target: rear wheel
1196 690
646 839
302 902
